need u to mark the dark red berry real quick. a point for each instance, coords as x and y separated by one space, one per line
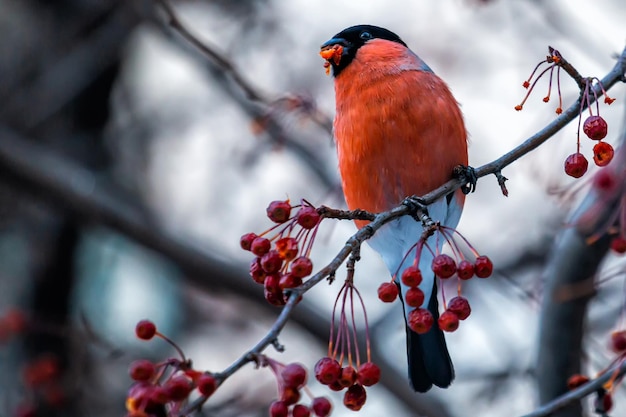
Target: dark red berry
256 271
145 329
142 370
279 211
465 269
294 375
595 127
158 395
420 320
603 402
308 217
355 397
260 246
336 386
348 376
618 244
576 381
300 410
576 165
387 292
301 267
275 298
178 388
246 240
279 409
448 321
271 262
618 341
443 266
206 384
460 306
321 406
605 182
290 395
272 283
368 374
327 370
287 247
414 298
483 267
289 281
603 154
411 276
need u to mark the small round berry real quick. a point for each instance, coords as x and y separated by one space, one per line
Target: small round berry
368 374
145 330
460 306
290 395
256 271
348 376
605 182
618 244
158 395
271 262
336 386
483 267
142 370
272 283
387 292
300 410
448 321
294 375
178 388
275 298
420 320
260 246
206 384
465 270
603 154
289 281
414 297
321 406
443 266
287 247
308 217
576 381
603 402
279 409
355 397
576 165
301 267
595 127
411 276
246 241
279 211
618 341
327 370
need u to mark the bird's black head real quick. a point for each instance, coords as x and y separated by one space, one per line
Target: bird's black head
351 39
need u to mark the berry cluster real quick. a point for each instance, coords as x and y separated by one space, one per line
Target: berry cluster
444 267
594 126
282 260
291 381
166 385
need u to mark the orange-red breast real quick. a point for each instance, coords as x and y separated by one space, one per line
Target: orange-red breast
399 132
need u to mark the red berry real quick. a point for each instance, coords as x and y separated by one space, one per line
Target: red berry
272 283
460 306
142 370
348 376
412 276
576 165
145 330
271 262
595 127
414 297
387 292
368 374
300 410
178 388
308 217
321 406
603 402
355 397
301 267
289 281
260 246
605 182
448 321
287 247
465 269
576 381
15 320
279 409
279 211
206 384
256 271
290 395
443 266
246 240
602 154
618 341
158 395
483 267
420 320
294 375
336 386
618 244
327 370
275 298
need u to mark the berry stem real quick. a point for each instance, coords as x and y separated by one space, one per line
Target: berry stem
367 327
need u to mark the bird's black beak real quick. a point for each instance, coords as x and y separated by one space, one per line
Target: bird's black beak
335 41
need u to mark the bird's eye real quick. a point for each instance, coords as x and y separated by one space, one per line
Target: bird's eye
366 36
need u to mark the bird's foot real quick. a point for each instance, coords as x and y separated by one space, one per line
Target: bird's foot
467 174
417 207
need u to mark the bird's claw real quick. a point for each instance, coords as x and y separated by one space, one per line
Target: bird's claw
416 205
467 174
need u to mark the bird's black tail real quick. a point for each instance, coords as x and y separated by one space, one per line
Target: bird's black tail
429 360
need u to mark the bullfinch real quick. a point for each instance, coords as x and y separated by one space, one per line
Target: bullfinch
399 132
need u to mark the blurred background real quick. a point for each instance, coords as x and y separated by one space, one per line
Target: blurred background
131 162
